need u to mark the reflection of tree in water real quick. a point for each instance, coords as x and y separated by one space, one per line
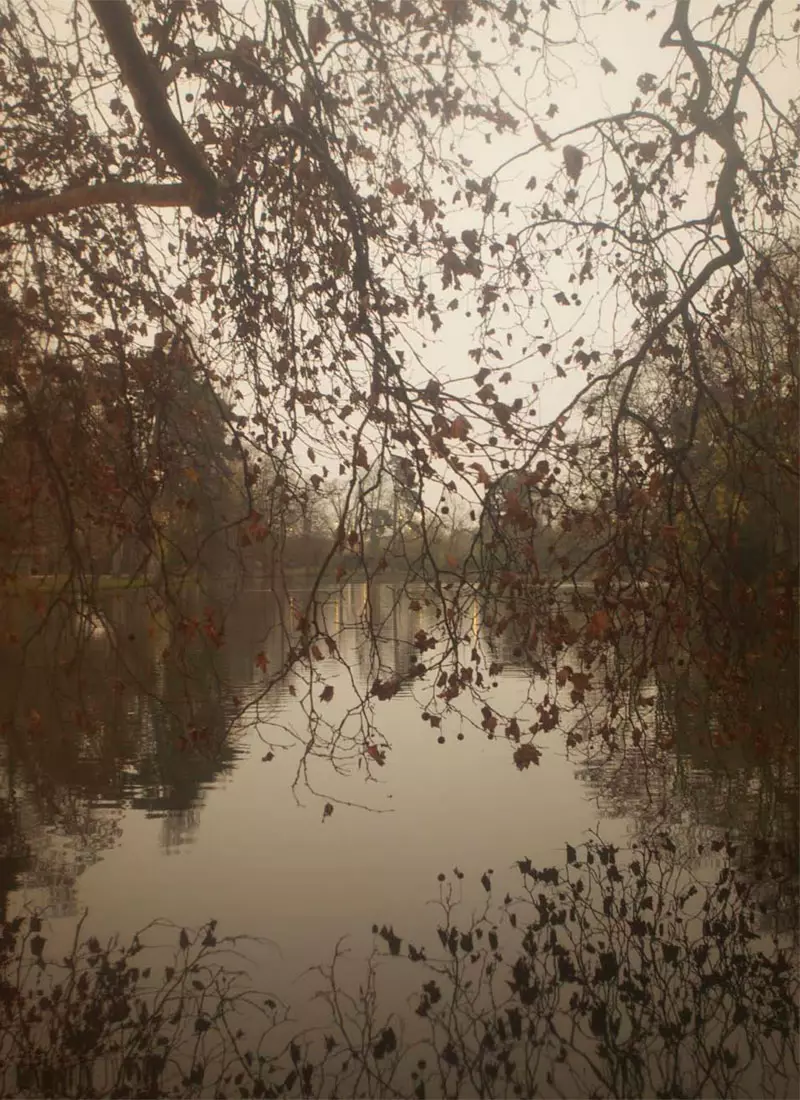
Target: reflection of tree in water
144 709
676 770
135 715
15 851
390 615
185 746
49 833
46 851
608 975
666 750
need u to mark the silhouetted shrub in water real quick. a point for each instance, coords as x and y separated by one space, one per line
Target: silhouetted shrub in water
603 977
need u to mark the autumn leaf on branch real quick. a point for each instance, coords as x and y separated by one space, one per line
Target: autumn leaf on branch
525 755
377 754
318 29
543 136
573 162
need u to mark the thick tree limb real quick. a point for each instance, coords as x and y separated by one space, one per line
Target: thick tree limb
100 194
146 84
721 130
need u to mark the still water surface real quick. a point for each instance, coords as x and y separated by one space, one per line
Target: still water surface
111 805
132 826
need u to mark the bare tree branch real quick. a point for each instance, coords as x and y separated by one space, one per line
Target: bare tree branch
101 194
146 84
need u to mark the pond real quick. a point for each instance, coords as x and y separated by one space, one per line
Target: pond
152 780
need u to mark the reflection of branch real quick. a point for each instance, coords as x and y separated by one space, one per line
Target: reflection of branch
615 983
146 85
100 194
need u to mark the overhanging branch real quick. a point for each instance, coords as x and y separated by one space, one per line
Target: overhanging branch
145 82
101 194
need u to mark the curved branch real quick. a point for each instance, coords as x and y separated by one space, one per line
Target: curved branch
722 132
146 84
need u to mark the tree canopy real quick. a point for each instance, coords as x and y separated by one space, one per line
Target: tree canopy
251 251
